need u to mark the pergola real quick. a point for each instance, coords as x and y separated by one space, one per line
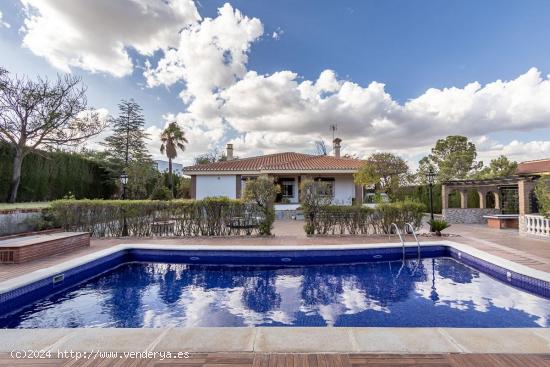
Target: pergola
523 183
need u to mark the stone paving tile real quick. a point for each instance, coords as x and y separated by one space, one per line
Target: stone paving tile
504 243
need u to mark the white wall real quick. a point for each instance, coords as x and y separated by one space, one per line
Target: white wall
216 186
344 190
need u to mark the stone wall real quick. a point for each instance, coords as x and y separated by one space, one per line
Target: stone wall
467 216
18 221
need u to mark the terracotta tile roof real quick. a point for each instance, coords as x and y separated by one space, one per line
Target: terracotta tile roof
281 162
538 166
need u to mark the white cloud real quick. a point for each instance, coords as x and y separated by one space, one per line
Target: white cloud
276 35
515 150
211 55
3 23
280 111
281 104
95 35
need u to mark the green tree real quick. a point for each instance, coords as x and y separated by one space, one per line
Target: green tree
43 114
385 171
128 142
542 193
211 157
499 167
263 192
143 178
172 138
453 158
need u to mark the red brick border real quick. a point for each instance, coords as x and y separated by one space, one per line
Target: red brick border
39 250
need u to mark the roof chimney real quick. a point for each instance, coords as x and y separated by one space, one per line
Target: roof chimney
229 152
336 147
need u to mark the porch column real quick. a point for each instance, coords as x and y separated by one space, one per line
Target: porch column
193 191
497 199
238 187
482 198
463 199
358 194
444 197
524 189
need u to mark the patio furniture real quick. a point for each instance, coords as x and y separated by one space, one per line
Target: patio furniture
502 221
163 228
246 223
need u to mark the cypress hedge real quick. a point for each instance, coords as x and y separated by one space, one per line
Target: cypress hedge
52 175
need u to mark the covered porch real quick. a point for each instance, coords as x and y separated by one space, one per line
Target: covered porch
342 188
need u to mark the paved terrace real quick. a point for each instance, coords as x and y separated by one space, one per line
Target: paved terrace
302 360
507 244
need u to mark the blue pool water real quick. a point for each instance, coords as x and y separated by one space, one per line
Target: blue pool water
430 293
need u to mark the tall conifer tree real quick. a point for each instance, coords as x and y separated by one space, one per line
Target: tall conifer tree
128 142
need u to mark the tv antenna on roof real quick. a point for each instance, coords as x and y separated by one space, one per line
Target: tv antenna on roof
333 128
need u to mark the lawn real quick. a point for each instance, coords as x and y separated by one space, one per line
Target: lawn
33 205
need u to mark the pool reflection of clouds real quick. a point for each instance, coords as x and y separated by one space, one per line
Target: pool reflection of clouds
481 294
177 295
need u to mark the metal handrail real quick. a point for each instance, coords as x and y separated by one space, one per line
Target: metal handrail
415 237
400 237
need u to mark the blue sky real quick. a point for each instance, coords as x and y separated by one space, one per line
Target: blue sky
409 46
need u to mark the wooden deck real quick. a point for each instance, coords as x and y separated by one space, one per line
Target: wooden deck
303 360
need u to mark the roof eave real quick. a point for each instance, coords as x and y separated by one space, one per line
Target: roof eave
259 172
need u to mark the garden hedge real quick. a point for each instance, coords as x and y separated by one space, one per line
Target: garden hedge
336 219
144 218
52 175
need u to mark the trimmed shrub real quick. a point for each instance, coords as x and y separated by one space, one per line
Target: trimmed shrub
335 219
144 218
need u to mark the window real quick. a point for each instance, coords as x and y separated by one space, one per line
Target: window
328 189
287 189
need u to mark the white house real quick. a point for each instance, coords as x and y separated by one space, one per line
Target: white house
228 178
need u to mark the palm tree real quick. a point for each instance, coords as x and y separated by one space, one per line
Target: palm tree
172 138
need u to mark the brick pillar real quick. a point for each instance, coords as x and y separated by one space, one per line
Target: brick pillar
463 199
444 197
193 190
524 189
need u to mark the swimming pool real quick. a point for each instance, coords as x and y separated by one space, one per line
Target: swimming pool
139 288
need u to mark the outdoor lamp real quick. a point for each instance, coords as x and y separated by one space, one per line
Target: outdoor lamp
430 175
123 178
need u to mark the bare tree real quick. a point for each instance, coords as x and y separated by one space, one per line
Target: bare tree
43 113
321 147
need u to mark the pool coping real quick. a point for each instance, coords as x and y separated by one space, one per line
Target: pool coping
278 339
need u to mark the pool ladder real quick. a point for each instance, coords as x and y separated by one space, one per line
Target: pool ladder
403 244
